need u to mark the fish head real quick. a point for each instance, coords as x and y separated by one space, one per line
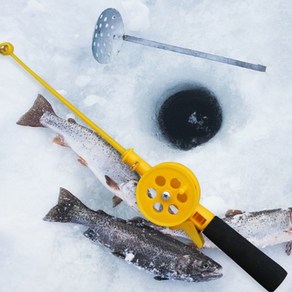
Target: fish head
197 268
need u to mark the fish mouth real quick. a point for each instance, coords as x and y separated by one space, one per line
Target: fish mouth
212 275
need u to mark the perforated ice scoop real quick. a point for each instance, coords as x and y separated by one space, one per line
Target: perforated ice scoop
168 194
109 36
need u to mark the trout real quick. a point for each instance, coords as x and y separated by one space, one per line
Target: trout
140 245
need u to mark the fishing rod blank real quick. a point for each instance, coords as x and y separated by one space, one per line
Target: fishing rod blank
109 36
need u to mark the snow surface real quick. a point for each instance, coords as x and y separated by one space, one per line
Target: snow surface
247 165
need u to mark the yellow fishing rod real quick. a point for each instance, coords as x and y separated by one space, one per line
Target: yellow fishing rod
168 195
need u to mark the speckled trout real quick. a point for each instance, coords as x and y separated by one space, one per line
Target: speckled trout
136 243
92 150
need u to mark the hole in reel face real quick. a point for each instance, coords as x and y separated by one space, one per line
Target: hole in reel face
175 183
182 198
190 118
151 193
173 209
160 181
158 207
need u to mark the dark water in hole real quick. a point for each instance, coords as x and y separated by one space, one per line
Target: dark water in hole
190 118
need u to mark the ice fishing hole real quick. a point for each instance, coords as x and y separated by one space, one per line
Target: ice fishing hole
151 193
190 117
173 209
158 207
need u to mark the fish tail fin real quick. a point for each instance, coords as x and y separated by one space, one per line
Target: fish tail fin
34 114
68 209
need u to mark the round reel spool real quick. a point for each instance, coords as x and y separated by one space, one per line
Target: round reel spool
168 194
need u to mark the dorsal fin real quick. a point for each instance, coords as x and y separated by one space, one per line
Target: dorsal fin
71 120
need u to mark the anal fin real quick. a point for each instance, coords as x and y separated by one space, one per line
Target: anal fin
116 201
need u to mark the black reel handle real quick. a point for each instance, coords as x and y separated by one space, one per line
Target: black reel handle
257 264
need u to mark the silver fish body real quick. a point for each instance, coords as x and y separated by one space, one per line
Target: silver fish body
137 243
104 161
261 228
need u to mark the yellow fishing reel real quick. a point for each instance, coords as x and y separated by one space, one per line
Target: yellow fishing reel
168 195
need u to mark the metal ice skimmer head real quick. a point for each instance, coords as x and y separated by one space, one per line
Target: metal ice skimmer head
109 36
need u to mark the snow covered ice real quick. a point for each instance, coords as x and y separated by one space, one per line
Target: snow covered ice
247 165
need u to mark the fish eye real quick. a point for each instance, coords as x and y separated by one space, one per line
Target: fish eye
205 266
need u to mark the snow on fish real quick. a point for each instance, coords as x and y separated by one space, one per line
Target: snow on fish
138 244
264 228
